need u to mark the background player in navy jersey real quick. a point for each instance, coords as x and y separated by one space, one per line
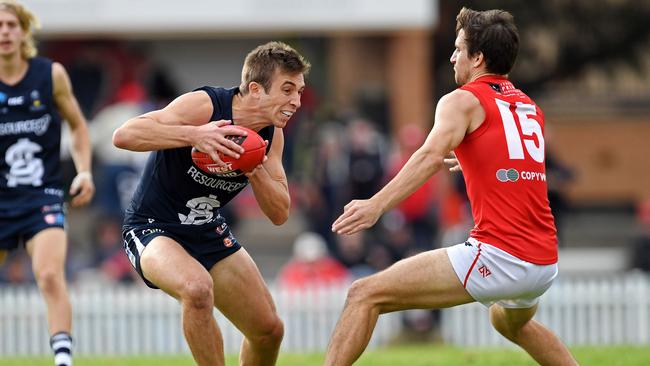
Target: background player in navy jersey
510 258
173 232
34 94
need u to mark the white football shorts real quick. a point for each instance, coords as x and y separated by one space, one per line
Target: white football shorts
492 276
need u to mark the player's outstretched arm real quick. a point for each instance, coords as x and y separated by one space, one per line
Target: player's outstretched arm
269 183
82 188
183 122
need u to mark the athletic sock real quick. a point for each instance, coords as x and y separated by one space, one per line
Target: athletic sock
61 344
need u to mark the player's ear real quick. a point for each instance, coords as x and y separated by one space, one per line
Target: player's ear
478 58
255 88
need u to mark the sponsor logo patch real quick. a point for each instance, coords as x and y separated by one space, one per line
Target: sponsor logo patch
54 219
513 175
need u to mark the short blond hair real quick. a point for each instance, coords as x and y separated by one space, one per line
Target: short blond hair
264 60
28 23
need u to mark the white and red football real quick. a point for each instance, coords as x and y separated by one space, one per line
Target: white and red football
253 156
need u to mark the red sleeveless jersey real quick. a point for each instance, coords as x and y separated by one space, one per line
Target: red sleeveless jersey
504 171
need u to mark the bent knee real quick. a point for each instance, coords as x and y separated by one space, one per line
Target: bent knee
507 329
49 280
197 293
503 329
269 333
361 292
510 322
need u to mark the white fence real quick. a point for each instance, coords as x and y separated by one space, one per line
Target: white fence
137 320
581 311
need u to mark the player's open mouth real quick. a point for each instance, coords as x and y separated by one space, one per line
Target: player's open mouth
287 113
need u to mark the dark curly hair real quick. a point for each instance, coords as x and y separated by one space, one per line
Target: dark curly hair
493 33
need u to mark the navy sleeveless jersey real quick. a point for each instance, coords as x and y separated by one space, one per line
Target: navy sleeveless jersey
30 142
173 190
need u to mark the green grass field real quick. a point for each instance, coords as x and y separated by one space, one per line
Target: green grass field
407 355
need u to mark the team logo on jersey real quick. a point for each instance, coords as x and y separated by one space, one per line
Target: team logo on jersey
37 105
3 98
202 210
25 168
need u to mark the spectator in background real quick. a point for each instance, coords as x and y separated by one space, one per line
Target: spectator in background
366 149
119 170
641 248
558 176
311 265
109 255
323 191
17 270
455 212
419 210
89 76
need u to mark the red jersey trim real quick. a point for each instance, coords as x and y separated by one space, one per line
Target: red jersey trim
469 271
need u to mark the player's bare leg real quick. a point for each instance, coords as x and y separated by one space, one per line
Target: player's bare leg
424 281
166 264
242 296
518 326
47 250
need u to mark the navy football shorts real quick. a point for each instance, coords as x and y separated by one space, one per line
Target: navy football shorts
208 246
17 230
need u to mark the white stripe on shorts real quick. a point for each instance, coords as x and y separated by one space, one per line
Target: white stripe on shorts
138 243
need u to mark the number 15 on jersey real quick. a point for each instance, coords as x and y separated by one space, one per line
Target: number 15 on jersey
530 129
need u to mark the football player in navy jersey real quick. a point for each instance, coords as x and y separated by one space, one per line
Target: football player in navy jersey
173 232
35 96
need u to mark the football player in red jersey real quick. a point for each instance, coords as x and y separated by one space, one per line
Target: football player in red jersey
510 258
